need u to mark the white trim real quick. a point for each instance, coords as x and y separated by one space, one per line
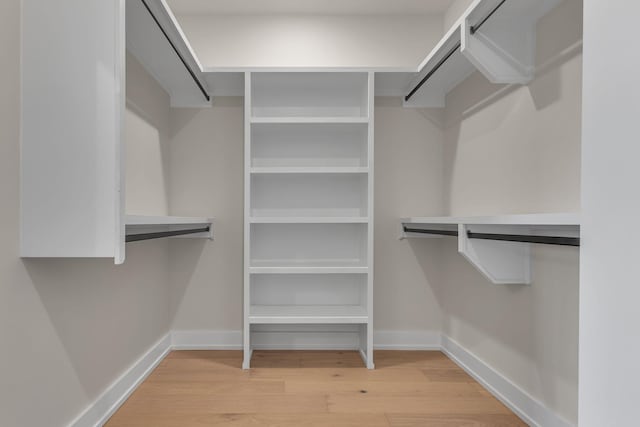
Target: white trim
519 401
406 340
206 340
98 412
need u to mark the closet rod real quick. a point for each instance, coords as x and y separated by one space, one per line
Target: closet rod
175 49
545 240
161 234
473 30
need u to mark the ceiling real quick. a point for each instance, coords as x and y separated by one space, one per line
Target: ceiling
313 7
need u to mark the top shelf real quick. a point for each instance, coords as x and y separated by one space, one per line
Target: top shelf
309 97
495 37
149 27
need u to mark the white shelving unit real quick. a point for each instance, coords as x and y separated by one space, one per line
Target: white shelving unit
500 261
309 202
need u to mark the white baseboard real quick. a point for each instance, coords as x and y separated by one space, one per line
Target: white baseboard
524 405
206 340
106 405
406 340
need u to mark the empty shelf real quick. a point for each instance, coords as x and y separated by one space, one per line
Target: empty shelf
308 220
314 119
307 314
308 169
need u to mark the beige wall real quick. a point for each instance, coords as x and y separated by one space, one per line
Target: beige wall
68 327
517 150
454 12
311 40
207 147
408 182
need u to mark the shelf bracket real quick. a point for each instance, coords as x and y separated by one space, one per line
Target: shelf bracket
501 262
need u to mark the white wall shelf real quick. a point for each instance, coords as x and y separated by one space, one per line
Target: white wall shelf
480 239
140 227
146 41
502 49
308 202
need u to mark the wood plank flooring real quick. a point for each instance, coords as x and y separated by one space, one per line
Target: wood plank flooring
311 388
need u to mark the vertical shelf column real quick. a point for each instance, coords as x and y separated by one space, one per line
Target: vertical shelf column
308 225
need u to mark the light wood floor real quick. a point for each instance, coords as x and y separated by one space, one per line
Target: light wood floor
311 388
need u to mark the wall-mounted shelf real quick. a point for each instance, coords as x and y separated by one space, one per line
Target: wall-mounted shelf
155 38
499 246
495 37
140 227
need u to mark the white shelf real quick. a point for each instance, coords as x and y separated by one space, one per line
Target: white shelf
559 219
149 45
505 258
309 169
140 225
308 270
309 120
165 220
307 314
308 220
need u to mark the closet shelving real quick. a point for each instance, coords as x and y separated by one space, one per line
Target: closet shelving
72 146
499 246
495 37
308 202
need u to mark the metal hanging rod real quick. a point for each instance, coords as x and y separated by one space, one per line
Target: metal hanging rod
175 49
521 238
161 234
476 27
432 72
473 30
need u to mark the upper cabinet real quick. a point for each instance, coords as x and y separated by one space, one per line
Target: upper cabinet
73 110
495 37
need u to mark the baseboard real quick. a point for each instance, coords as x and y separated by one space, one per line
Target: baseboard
111 399
290 338
206 340
524 405
406 340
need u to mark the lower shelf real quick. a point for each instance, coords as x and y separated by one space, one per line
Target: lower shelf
307 314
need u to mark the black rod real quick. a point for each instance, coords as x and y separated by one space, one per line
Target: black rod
432 72
184 62
473 30
545 240
521 238
161 234
476 27
436 232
